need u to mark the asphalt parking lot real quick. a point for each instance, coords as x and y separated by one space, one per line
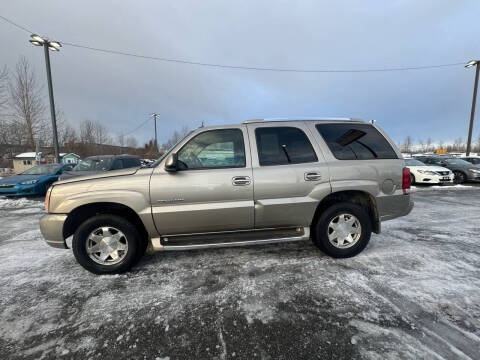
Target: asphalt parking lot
413 293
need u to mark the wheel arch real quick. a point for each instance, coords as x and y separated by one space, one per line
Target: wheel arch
358 197
83 212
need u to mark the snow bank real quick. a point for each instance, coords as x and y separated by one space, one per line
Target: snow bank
443 187
20 203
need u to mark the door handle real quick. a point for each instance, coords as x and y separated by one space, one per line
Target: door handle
241 180
312 176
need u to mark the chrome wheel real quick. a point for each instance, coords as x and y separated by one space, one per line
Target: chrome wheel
344 231
107 245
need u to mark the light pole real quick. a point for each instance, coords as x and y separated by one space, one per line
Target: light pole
53 46
472 114
155 115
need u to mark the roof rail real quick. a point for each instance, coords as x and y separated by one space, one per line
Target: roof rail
301 118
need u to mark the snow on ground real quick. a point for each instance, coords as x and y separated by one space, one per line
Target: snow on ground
413 293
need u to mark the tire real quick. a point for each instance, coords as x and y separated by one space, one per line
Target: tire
459 177
412 179
322 230
131 242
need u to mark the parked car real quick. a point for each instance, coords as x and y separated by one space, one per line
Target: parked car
472 160
34 181
97 164
462 170
423 174
257 182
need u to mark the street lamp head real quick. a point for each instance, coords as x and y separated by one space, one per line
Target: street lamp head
37 38
55 44
471 63
53 48
36 43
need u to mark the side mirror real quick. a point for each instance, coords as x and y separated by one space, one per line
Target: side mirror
171 163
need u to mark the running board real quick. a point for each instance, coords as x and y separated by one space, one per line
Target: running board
156 243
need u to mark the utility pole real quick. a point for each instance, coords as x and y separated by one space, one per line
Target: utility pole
155 115
472 114
54 46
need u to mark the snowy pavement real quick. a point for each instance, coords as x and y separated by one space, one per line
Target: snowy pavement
413 293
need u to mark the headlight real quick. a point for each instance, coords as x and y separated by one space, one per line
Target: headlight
427 172
29 182
475 171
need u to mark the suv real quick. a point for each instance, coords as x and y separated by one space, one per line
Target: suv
332 181
100 163
462 170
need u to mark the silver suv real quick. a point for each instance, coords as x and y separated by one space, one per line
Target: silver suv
329 180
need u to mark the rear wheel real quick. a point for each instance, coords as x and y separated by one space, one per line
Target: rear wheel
107 244
343 230
459 177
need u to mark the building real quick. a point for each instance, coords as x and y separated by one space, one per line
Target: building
70 158
24 161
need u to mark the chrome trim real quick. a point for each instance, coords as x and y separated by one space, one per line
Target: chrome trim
302 118
157 246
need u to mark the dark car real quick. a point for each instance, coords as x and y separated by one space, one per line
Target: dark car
101 163
472 160
34 181
462 170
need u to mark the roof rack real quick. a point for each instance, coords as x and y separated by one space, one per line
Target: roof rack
301 118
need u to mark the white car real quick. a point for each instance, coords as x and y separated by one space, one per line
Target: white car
423 174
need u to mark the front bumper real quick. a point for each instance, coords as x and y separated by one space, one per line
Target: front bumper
51 226
435 179
21 190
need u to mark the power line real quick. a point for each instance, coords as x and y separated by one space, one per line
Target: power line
241 67
138 127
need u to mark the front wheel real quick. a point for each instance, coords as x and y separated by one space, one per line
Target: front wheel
412 179
107 244
343 230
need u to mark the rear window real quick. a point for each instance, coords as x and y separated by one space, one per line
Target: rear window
356 142
283 145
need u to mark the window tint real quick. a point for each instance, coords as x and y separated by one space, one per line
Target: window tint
131 162
117 164
283 145
356 142
222 148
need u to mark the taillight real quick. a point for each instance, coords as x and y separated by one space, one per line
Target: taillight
47 198
406 180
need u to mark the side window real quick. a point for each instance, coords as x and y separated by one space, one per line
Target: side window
356 142
223 148
283 145
117 164
131 162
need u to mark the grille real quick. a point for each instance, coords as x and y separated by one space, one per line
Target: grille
443 172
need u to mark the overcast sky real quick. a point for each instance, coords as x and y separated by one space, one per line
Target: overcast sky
122 91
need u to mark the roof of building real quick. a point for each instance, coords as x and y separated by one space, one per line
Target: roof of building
27 155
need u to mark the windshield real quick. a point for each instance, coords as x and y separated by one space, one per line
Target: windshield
41 170
413 162
99 164
457 162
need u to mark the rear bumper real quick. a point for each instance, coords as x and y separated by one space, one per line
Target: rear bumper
51 226
394 206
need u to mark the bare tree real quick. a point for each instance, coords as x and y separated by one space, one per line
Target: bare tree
121 140
407 146
3 89
26 102
176 137
429 144
131 142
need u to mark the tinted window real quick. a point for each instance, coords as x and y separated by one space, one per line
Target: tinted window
117 164
222 148
131 162
283 145
356 142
